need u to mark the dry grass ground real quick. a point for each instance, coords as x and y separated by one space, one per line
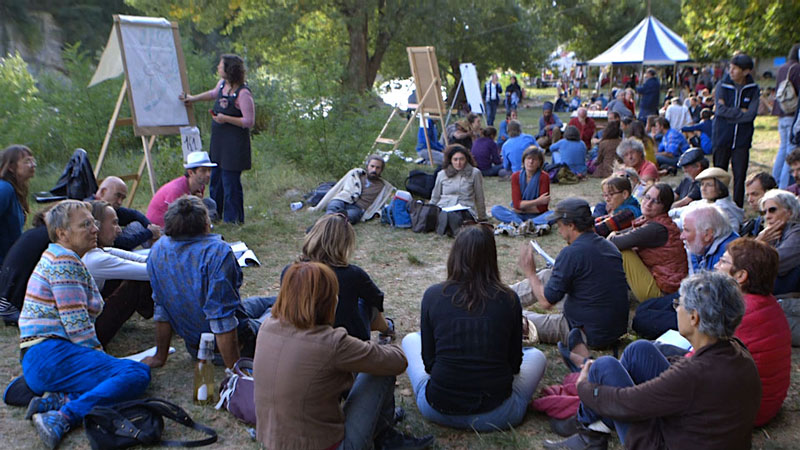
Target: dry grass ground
403 264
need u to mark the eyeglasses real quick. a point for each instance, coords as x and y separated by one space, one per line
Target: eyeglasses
31 161
771 210
610 194
676 303
87 224
651 199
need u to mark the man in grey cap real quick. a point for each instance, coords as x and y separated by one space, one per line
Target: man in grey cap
692 162
587 275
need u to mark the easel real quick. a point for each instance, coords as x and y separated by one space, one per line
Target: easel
147 146
425 70
114 63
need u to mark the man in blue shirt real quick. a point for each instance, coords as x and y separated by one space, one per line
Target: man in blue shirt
587 275
195 279
514 147
672 145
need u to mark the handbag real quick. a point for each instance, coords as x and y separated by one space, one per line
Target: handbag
236 392
424 217
139 422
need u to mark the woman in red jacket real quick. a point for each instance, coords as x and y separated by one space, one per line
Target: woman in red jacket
764 329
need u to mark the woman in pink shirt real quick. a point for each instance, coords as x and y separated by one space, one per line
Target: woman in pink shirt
234 115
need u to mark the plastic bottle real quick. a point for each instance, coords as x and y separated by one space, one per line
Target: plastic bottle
205 390
296 206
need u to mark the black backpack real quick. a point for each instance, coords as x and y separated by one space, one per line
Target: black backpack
139 422
420 183
315 196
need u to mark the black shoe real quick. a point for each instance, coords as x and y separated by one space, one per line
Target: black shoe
394 440
399 414
564 427
584 439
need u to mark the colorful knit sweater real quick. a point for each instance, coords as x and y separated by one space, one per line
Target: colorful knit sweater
62 301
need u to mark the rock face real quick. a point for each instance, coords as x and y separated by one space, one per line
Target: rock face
41 52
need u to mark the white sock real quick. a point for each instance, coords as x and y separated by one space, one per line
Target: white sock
600 427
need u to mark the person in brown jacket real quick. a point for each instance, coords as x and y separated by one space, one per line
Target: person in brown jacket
706 400
303 366
607 150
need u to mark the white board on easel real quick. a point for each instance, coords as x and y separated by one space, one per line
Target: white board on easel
472 87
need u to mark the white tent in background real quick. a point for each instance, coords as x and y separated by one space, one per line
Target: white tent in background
650 42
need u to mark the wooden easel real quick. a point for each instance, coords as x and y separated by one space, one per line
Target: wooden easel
425 70
147 146
144 132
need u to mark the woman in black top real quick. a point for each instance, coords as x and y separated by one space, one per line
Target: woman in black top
331 241
466 365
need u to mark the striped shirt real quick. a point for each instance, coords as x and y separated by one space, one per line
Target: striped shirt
62 301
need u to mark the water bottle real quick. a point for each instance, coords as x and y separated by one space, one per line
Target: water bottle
296 206
205 390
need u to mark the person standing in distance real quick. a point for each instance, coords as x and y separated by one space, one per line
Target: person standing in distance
234 115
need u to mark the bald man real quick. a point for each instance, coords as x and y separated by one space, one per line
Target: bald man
136 228
585 125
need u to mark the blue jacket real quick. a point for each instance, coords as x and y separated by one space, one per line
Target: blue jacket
732 127
513 150
709 259
649 93
673 142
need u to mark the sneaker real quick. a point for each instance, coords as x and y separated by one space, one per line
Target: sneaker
49 402
394 440
51 426
18 393
385 338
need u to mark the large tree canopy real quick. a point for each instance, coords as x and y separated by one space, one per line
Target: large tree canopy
761 28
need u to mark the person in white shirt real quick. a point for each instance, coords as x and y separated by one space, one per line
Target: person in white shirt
120 275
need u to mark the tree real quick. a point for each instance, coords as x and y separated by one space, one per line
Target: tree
761 28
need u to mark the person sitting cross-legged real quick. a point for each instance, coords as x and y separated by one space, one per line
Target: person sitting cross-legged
195 279
60 352
304 368
467 366
359 194
121 276
530 190
514 147
708 400
653 255
706 233
764 328
587 279
571 151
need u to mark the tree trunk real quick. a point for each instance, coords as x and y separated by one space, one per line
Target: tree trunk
362 68
355 75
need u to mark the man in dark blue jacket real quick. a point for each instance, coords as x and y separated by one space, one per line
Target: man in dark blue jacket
736 98
649 93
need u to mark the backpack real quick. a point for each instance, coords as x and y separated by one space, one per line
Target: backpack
421 183
786 95
139 422
424 217
236 392
315 196
396 213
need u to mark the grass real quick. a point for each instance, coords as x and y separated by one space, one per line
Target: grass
403 264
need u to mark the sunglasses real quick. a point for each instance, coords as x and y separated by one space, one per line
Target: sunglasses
771 210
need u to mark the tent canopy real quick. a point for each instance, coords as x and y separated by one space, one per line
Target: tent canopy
650 42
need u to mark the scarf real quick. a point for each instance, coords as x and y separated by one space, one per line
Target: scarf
491 91
451 171
530 189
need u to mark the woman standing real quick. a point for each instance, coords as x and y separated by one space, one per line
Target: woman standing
17 167
530 190
467 365
460 182
234 115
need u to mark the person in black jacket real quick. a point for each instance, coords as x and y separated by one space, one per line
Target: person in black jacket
467 365
18 266
736 97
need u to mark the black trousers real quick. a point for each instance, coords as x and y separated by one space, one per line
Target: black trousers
739 158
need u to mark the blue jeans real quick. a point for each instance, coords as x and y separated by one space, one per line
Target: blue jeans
226 190
492 171
491 111
780 170
368 411
788 283
655 316
89 377
350 210
641 361
509 414
667 160
506 215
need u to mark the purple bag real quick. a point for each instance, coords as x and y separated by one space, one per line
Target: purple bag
236 391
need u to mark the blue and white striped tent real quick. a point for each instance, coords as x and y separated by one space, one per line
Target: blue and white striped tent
650 42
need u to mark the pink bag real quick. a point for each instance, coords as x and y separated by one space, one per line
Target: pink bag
236 391
559 401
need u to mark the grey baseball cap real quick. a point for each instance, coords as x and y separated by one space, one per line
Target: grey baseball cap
570 209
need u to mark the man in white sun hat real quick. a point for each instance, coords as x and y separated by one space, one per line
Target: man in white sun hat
193 182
